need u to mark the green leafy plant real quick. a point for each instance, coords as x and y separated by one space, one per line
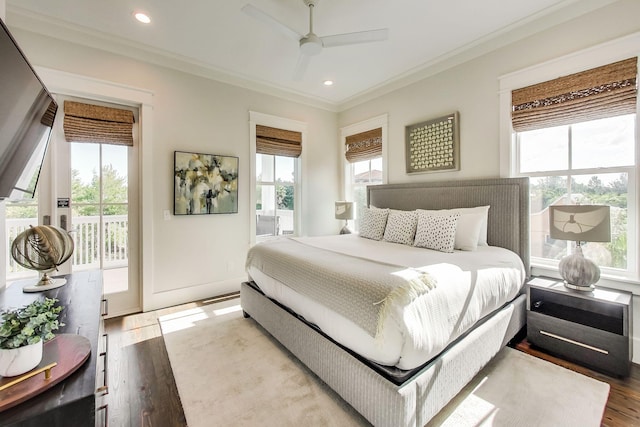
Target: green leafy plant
29 324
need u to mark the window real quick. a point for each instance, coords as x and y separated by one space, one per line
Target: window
591 162
575 137
275 172
365 159
276 194
362 174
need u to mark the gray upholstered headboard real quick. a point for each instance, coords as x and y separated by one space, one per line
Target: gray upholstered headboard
508 197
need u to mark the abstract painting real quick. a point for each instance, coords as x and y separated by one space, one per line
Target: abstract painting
205 184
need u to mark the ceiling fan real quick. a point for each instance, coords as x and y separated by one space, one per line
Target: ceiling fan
312 44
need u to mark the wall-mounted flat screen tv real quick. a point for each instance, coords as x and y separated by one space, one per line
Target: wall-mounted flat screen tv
27 112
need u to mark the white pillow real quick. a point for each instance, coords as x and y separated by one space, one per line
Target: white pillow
401 227
372 223
479 213
468 231
436 230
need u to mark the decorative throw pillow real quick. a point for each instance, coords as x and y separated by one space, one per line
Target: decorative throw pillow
436 231
372 223
401 227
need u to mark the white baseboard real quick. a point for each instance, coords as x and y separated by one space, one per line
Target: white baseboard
193 293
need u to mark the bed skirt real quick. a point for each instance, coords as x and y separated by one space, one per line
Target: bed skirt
381 402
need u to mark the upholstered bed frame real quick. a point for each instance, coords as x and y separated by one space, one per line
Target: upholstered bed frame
419 398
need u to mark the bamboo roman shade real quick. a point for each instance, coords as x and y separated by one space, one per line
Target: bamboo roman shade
278 142
97 124
364 146
601 92
49 115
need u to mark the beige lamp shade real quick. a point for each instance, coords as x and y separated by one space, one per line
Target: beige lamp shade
344 210
580 223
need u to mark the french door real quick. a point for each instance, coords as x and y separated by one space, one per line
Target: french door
96 193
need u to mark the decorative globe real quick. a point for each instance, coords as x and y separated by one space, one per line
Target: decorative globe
42 248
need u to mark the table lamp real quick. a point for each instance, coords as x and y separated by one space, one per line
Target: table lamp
344 210
580 223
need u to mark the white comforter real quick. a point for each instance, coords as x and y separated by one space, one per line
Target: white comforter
469 285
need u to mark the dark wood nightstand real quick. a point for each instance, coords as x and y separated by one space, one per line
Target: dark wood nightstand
590 328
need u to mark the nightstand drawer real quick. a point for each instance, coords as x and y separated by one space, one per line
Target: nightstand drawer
592 347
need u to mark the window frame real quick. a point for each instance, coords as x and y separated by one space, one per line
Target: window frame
595 56
256 118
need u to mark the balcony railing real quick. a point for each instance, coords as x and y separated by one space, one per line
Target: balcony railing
87 241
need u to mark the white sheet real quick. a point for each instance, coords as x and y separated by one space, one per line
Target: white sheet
470 285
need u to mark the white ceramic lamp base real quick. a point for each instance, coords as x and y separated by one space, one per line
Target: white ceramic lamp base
578 272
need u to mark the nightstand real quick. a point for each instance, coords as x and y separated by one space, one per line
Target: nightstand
590 328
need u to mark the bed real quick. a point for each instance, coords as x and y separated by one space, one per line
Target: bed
397 374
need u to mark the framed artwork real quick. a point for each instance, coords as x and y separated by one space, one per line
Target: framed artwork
204 184
433 146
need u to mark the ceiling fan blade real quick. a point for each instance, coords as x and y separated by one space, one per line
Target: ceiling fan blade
256 13
301 67
353 38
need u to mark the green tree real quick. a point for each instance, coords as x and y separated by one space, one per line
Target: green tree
86 197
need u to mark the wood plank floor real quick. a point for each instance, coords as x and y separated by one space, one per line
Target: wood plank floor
142 390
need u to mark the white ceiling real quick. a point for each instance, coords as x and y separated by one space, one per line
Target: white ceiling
216 35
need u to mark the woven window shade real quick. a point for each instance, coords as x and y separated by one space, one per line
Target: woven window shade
364 146
278 142
97 124
49 115
602 92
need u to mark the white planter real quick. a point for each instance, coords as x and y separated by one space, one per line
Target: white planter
17 361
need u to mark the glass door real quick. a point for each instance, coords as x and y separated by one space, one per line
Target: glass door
96 194
100 212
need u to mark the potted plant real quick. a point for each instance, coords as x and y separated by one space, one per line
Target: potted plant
22 334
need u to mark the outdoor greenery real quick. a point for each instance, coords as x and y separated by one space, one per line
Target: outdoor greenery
29 324
85 197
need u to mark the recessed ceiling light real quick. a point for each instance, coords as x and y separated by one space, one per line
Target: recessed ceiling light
142 17
328 82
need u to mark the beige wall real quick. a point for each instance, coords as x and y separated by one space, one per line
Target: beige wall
202 256
472 89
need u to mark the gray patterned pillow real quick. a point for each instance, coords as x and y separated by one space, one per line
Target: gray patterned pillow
401 227
436 231
372 223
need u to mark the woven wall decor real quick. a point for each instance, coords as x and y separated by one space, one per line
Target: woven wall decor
433 145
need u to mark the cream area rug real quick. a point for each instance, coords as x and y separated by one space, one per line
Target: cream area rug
230 372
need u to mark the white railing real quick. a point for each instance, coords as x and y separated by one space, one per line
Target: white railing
86 238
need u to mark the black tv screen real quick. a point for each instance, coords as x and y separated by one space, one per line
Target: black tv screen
27 112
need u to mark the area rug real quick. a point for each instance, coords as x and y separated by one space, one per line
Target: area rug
230 372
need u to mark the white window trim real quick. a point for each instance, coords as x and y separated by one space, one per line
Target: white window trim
262 119
381 121
602 54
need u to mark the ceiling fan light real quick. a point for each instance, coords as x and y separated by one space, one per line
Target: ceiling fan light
310 45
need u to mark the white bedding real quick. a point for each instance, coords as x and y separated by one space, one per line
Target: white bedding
470 285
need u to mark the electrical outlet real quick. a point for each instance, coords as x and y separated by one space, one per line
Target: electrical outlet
167 215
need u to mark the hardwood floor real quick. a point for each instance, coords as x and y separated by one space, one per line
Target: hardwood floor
142 390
